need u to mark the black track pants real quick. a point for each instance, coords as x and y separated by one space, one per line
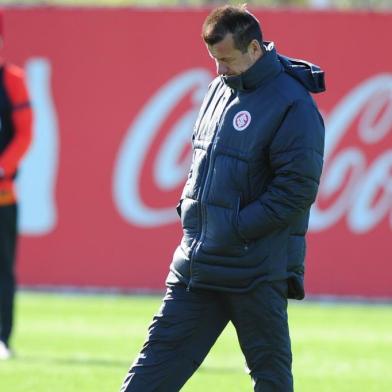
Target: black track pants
8 232
188 324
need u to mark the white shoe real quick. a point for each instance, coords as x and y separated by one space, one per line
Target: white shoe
5 352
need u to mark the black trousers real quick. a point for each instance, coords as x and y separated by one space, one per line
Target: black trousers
8 235
188 324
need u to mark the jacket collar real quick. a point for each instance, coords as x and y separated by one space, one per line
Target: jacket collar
265 68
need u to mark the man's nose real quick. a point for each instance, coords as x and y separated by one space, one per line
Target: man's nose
221 69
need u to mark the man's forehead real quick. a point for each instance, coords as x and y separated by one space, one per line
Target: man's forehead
223 47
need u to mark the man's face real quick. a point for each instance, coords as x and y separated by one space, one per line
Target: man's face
230 60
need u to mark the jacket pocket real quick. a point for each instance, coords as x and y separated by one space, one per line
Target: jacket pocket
236 222
189 210
221 235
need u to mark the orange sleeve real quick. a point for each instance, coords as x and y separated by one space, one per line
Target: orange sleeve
21 117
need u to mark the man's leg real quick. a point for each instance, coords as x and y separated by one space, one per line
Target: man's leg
8 233
179 338
260 319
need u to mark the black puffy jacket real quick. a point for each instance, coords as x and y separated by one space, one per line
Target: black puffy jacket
257 158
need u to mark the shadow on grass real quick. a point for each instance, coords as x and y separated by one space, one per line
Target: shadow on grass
71 361
109 362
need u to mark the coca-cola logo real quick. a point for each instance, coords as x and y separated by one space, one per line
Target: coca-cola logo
169 171
357 179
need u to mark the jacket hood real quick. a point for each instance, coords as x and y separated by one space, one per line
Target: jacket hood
309 75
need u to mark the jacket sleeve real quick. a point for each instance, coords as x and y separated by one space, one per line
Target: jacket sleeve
296 159
21 117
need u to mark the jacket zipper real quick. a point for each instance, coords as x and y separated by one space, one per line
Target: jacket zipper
206 186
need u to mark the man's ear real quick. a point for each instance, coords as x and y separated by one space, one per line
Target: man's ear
255 50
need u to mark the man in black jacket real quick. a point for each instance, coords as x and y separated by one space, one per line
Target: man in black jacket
257 157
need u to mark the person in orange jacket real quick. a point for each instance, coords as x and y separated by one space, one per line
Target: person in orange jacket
15 138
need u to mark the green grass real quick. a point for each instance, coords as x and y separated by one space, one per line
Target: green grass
76 343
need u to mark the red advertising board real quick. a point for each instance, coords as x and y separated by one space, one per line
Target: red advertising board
115 93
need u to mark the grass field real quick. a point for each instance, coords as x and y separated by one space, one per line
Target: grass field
76 343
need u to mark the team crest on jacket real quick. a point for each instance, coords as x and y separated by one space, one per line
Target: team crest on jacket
241 120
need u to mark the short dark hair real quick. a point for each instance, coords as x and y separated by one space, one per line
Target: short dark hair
235 20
